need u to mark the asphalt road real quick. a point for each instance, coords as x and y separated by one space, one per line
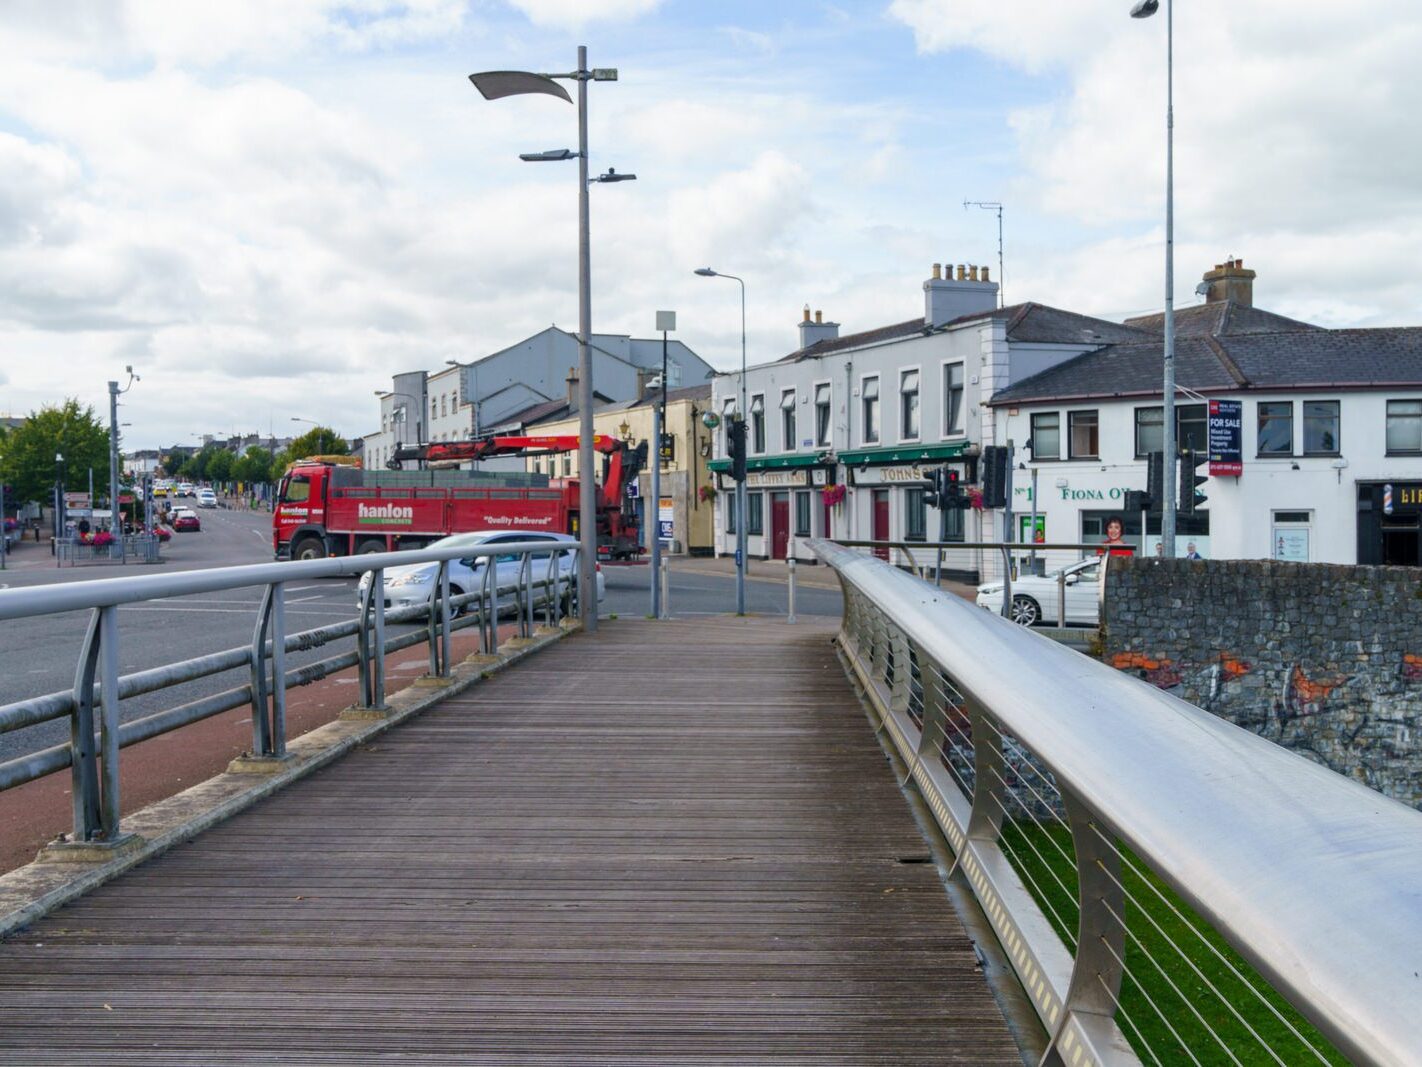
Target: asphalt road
39 655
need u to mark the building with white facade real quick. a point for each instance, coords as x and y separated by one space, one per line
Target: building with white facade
1328 432
843 429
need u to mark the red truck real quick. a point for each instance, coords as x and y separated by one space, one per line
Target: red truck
330 509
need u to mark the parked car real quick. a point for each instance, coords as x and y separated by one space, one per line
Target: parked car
185 520
206 498
1034 598
410 586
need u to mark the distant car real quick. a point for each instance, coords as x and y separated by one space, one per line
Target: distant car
185 489
160 490
184 520
1034 599
206 498
410 586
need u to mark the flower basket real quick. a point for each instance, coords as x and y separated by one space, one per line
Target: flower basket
706 493
102 538
975 499
832 494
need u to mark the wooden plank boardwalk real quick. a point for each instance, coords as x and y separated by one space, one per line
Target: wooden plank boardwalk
672 843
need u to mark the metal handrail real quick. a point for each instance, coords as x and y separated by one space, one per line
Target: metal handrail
92 705
1315 879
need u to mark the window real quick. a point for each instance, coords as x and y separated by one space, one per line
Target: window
802 514
297 489
787 420
1320 419
755 513
1276 428
443 404
434 408
870 390
1404 426
908 404
757 423
822 414
1192 427
952 398
915 516
1047 435
1150 431
1082 441
730 499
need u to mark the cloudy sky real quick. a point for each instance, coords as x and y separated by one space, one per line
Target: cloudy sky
268 207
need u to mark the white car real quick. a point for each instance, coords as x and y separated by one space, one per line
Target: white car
185 489
206 498
1034 599
410 586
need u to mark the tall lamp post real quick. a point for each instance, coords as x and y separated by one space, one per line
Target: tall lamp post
666 321
741 516
494 85
1143 10
114 392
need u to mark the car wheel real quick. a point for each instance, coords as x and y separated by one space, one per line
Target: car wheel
369 548
1026 611
309 548
456 610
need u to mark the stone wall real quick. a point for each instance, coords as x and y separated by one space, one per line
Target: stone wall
1324 660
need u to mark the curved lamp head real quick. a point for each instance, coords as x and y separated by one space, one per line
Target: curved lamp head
496 84
1145 9
705 272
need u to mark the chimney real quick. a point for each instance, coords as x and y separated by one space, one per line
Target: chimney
572 381
950 297
816 329
1230 281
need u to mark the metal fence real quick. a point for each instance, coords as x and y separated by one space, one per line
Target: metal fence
130 548
1168 887
92 706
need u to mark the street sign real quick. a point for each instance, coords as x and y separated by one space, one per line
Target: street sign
738 557
633 490
76 500
1226 437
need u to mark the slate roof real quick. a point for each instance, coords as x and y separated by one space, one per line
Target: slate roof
1028 323
1224 318
1309 358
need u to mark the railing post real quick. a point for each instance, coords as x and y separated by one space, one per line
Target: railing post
665 574
790 588
261 729
109 731
989 792
1006 582
363 644
489 610
377 592
446 612
438 603
1061 597
278 634
83 759
524 595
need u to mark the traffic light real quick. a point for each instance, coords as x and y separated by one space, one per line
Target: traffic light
1137 501
994 467
933 489
737 440
1155 480
1190 481
955 497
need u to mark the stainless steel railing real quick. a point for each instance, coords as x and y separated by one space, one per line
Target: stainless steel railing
1169 888
92 706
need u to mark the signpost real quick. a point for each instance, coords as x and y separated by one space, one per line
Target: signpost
1226 438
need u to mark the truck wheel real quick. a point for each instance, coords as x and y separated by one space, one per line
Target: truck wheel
369 548
309 548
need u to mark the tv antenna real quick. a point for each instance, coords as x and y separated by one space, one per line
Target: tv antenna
993 205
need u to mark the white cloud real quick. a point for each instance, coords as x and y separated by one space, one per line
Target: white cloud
573 14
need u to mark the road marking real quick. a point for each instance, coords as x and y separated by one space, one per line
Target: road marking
304 599
304 588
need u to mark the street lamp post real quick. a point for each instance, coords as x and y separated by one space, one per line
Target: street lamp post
114 392
666 321
494 85
741 509
1145 9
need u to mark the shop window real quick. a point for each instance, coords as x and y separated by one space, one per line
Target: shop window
802 514
908 404
1404 426
755 513
871 410
822 414
787 420
952 399
1083 440
1320 426
1276 428
915 516
1046 435
757 423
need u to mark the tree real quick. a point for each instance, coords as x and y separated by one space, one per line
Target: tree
27 452
320 441
219 466
254 466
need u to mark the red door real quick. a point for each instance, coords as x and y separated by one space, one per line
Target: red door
779 525
827 531
881 521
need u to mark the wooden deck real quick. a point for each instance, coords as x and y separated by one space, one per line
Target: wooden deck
672 843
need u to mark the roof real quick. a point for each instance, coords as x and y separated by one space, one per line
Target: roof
1222 318
1306 358
1027 323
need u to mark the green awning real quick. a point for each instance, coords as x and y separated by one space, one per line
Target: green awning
767 463
859 457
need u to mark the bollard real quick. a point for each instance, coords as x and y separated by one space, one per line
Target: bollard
666 590
790 585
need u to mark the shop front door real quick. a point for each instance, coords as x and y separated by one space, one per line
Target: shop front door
881 521
779 525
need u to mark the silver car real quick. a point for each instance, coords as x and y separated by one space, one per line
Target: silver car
411 585
1034 598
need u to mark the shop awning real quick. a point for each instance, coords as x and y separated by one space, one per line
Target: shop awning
860 457
767 463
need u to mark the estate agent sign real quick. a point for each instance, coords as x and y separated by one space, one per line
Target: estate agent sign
1226 437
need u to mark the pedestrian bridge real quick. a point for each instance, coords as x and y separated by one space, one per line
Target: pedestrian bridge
921 835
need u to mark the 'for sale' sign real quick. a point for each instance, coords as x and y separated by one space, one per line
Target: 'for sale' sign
1226 437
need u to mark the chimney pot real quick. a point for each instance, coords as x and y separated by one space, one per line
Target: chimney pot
962 273
819 316
937 271
807 314
973 273
985 275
